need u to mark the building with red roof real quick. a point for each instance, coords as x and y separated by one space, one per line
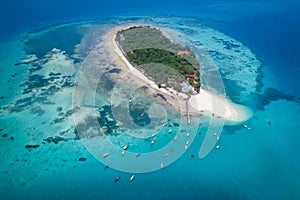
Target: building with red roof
189 75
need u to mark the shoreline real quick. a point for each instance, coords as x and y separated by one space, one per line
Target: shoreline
204 101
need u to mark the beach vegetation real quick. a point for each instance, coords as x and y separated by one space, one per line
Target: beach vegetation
160 59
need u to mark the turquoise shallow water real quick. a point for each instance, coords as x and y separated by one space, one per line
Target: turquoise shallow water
36 109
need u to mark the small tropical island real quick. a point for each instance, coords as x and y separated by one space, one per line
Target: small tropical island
171 71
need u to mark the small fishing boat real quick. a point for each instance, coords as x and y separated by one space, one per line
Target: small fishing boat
117 179
246 127
105 155
269 122
166 155
175 138
131 178
218 147
162 165
188 135
170 131
123 153
125 147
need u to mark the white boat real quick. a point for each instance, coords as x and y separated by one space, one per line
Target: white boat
162 165
186 147
175 138
218 147
246 127
188 135
105 155
170 131
131 178
125 147
123 153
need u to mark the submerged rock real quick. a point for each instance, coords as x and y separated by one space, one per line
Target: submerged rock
55 139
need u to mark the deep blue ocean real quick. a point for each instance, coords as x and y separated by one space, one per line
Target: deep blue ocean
260 163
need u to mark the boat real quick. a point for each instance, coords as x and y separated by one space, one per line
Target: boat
105 155
123 153
162 165
166 155
125 147
170 131
131 178
218 147
175 138
106 167
117 179
246 127
188 135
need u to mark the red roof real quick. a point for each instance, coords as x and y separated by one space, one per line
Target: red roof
190 75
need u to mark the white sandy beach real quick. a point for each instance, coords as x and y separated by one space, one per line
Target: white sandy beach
220 106
204 101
